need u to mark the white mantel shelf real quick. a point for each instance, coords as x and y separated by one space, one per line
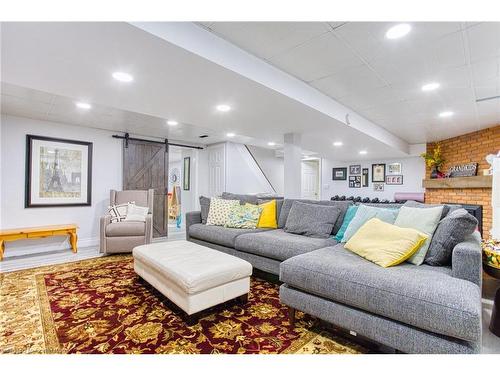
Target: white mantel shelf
474 182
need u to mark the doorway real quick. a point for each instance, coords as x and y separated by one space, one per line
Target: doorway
176 223
310 179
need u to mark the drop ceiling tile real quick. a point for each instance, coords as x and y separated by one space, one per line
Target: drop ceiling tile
267 39
484 41
319 57
26 94
372 99
486 72
349 82
11 103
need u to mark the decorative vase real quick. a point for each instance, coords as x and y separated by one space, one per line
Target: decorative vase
435 172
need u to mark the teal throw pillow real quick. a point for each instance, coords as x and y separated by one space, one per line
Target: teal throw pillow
349 215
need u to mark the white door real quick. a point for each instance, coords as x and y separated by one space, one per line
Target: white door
310 179
216 169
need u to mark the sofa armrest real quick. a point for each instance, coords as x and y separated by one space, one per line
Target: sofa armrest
105 220
148 235
193 217
466 260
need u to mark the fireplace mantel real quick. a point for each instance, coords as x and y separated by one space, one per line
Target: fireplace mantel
474 182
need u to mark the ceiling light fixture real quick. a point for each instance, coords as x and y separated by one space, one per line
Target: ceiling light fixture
223 108
446 114
430 86
230 135
83 105
398 31
172 123
271 143
337 144
363 152
123 77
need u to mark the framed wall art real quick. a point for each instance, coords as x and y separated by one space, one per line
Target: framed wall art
394 168
354 181
355 169
378 172
364 177
339 174
394 180
186 173
378 186
58 172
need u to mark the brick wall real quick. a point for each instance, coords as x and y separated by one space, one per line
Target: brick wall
467 148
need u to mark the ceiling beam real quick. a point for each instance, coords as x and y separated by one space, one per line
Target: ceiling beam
207 45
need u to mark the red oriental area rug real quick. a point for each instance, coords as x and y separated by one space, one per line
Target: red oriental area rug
102 306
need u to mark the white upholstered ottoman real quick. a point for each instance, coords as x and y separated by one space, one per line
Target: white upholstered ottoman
192 276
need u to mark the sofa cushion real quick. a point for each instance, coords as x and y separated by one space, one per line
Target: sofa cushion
218 235
219 210
287 205
424 220
311 220
365 213
243 216
453 229
422 296
126 228
204 208
278 244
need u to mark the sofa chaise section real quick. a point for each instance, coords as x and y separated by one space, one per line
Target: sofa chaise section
440 306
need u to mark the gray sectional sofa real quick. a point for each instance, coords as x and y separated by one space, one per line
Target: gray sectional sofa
414 309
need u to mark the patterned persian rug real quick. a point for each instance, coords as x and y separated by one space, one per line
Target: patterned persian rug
102 306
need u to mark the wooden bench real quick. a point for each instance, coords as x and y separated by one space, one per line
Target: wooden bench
39 232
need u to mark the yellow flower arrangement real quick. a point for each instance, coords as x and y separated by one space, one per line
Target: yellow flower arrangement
434 158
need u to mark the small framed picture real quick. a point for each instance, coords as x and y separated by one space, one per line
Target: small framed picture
186 173
365 177
394 168
354 181
378 186
355 169
394 180
339 174
378 172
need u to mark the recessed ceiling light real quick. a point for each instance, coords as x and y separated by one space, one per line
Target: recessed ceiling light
446 114
271 143
123 77
430 86
223 108
230 135
83 105
172 123
363 152
398 31
337 144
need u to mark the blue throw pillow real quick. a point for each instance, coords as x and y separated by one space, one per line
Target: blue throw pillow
349 215
365 213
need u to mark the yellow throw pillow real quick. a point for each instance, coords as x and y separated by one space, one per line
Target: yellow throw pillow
268 216
385 244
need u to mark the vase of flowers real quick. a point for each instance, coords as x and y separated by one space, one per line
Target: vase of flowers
434 160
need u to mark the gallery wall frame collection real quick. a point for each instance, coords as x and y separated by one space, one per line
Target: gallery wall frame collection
58 172
382 174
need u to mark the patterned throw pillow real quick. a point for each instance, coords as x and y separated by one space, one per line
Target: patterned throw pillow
219 210
118 212
246 216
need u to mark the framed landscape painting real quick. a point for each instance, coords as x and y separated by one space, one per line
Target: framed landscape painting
58 172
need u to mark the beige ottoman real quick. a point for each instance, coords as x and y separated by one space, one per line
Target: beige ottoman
192 276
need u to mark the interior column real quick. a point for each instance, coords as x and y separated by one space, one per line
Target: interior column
292 165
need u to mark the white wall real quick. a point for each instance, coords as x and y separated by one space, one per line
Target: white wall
243 176
272 166
413 170
106 175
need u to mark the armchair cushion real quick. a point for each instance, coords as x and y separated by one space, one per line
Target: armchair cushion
126 228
